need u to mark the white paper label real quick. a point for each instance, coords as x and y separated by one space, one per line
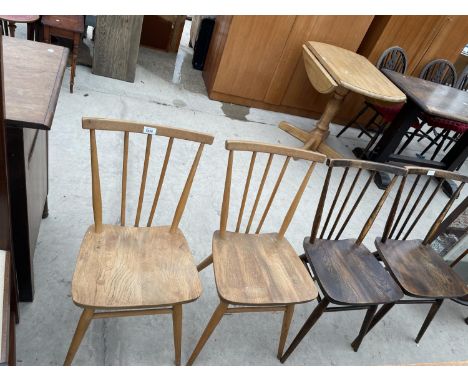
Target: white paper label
149 130
431 172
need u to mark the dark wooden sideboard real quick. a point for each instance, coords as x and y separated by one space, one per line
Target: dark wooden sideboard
33 75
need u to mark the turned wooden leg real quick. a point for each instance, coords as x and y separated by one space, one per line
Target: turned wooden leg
214 321
177 327
432 312
321 131
287 318
76 45
370 314
315 315
207 261
80 331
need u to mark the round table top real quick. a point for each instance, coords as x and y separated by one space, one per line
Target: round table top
20 18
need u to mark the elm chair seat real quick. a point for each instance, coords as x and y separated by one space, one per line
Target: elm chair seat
419 270
349 274
134 267
259 269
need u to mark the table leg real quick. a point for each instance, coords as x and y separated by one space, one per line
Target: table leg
315 139
30 31
391 138
46 34
76 45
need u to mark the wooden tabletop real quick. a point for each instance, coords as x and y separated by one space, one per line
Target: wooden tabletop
33 75
355 72
20 19
69 23
435 99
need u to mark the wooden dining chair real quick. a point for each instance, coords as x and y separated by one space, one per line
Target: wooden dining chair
421 272
348 274
131 270
258 272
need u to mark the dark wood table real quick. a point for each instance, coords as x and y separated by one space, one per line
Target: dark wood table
33 75
422 97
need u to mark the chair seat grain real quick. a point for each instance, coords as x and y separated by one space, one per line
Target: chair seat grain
348 273
259 269
419 270
129 267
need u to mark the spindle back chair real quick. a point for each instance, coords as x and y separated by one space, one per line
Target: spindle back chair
439 71
131 270
415 266
348 274
258 272
393 58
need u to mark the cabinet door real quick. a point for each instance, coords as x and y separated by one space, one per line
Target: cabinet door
290 85
252 52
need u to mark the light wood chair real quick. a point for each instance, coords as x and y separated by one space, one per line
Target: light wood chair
420 271
257 272
132 271
348 274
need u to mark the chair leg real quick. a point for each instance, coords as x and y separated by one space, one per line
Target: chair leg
441 143
287 317
364 327
315 315
350 123
379 315
80 331
214 321
177 328
207 261
433 142
432 312
408 141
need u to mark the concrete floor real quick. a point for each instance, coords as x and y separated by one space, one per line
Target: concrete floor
168 91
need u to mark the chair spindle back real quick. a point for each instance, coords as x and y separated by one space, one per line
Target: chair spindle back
415 202
338 226
394 59
440 71
93 124
271 150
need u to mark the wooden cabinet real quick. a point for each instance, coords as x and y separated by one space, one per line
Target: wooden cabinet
257 60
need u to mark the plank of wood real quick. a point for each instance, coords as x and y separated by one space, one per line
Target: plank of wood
116 46
33 77
130 267
259 270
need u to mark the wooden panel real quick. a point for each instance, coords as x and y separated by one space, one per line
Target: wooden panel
296 91
252 52
216 49
116 46
33 76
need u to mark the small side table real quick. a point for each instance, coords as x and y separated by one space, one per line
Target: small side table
69 27
9 24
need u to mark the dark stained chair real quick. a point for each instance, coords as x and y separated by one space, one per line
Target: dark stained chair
258 272
395 59
421 272
348 274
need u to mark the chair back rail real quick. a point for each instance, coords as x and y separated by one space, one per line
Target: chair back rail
440 71
93 124
339 225
261 148
393 58
415 203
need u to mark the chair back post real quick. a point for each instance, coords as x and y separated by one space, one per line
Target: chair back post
226 195
96 183
393 210
462 83
186 191
318 214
